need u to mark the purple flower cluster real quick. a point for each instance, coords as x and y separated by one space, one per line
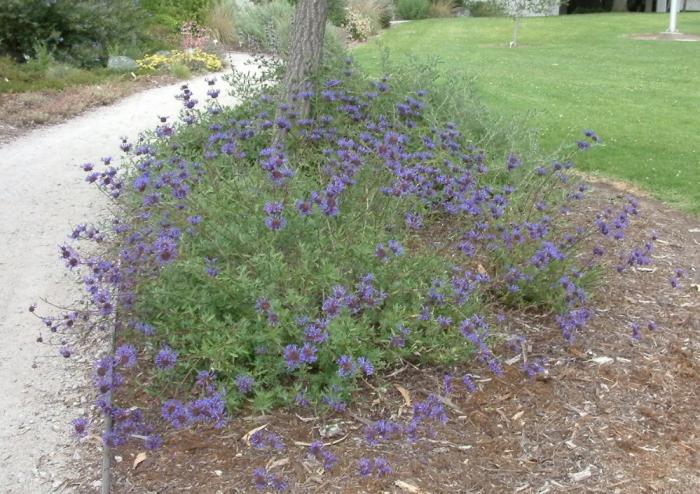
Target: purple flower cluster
166 358
393 248
210 409
274 219
275 163
476 331
264 480
347 366
244 384
80 426
264 308
380 467
296 356
264 439
321 453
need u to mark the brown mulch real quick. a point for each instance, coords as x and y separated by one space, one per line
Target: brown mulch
21 112
610 415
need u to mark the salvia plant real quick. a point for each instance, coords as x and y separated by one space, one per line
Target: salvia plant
243 270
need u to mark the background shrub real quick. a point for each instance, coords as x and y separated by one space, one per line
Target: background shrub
75 31
221 19
358 26
379 12
412 9
262 27
441 8
488 8
366 17
337 11
175 12
387 14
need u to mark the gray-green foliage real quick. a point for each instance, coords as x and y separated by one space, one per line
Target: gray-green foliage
265 27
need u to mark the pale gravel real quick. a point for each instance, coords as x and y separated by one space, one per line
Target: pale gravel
43 194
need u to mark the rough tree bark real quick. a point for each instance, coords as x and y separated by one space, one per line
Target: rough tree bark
308 30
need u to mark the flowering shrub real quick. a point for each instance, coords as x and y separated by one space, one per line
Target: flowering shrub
358 27
194 36
195 59
243 273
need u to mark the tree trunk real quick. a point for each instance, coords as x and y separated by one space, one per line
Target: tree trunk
306 48
516 26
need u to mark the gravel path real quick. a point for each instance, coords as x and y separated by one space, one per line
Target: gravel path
42 196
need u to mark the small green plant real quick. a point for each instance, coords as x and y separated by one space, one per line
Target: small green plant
412 9
180 70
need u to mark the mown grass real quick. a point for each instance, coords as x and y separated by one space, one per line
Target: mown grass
575 72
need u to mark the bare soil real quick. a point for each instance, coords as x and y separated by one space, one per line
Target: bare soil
21 112
665 37
610 415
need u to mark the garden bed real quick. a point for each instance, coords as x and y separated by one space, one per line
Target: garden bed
610 414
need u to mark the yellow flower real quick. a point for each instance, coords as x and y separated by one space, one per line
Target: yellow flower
194 59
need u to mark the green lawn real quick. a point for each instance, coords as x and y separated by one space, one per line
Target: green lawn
577 72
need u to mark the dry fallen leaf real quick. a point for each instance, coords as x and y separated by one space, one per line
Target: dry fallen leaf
405 486
246 437
140 458
277 463
513 360
306 419
404 392
303 444
582 475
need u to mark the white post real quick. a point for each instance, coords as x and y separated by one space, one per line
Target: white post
674 14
